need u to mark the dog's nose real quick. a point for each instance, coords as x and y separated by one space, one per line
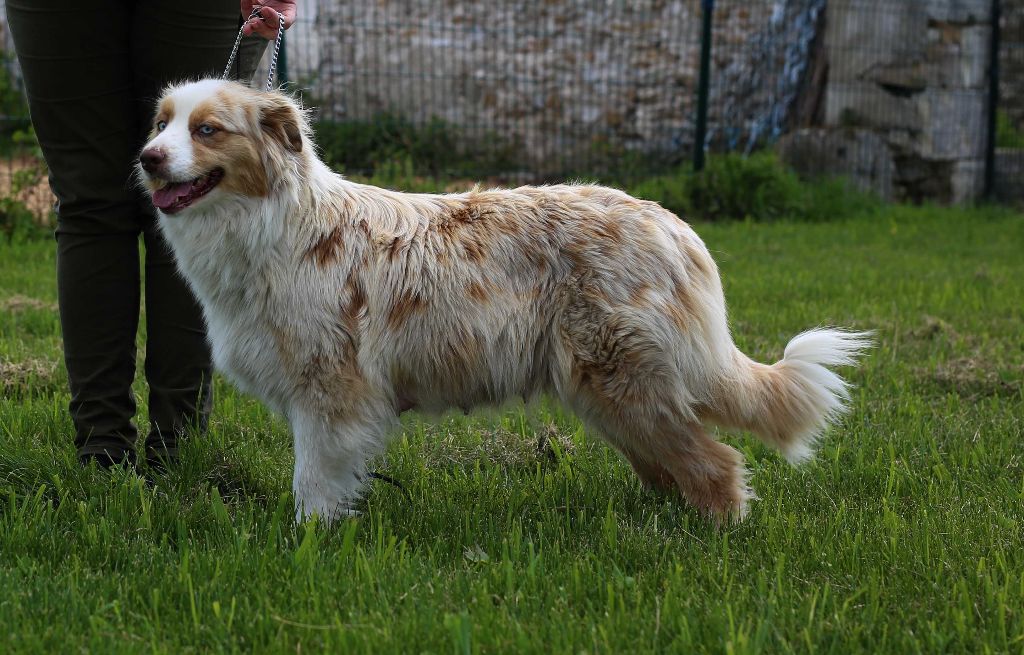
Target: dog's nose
152 158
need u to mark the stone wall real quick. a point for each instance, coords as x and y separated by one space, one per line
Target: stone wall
562 81
904 107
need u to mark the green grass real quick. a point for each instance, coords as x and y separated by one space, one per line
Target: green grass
523 534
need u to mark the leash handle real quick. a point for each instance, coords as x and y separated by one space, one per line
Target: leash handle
273 59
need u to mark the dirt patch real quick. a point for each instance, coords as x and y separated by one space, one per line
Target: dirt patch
932 328
17 378
37 195
502 447
974 378
16 304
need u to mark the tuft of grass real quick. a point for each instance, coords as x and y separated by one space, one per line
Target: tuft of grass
758 187
520 532
26 376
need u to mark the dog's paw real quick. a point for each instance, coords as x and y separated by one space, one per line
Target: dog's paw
736 511
339 512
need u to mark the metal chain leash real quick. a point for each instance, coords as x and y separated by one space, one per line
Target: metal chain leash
273 58
277 50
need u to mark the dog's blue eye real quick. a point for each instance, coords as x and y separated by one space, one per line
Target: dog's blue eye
161 126
206 130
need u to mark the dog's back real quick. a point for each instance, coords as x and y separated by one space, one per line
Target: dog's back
482 296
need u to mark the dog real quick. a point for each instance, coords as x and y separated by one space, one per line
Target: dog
342 305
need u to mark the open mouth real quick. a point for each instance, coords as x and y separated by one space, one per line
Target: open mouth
175 196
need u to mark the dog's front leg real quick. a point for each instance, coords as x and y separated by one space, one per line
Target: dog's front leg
330 462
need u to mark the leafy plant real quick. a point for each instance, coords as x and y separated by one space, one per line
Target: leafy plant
401 174
757 187
434 148
361 146
13 108
26 168
17 222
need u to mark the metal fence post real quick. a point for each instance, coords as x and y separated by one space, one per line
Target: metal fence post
993 103
703 84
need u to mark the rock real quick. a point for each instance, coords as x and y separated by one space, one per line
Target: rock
959 11
953 124
900 79
863 35
866 104
1009 171
861 156
916 75
967 181
958 57
918 179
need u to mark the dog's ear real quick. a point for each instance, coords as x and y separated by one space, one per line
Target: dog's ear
280 119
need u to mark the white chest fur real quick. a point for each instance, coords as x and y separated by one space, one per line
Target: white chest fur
232 276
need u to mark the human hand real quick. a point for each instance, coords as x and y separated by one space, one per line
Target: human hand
272 11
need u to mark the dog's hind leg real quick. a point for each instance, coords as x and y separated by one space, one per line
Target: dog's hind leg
680 456
709 474
330 461
652 474
618 375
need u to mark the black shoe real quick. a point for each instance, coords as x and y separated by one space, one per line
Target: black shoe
161 451
108 459
161 457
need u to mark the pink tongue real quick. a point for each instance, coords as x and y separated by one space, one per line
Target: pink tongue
167 196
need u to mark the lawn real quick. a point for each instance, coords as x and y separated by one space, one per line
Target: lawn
520 533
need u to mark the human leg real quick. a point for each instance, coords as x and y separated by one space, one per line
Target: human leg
77 79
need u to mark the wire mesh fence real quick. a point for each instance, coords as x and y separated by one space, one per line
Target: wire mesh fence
1008 157
529 89
545 90
895 95
892 94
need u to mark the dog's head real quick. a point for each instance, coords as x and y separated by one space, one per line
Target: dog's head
213 138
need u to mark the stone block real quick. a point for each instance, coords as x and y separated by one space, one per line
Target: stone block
1009 175
967 181
959 11
958 57
861 156
862 35
866 104
953 124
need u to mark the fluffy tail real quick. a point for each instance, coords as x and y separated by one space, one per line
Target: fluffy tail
792 402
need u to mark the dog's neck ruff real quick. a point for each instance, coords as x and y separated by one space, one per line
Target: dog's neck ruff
222 244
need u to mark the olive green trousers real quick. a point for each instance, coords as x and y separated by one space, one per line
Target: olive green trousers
92 73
